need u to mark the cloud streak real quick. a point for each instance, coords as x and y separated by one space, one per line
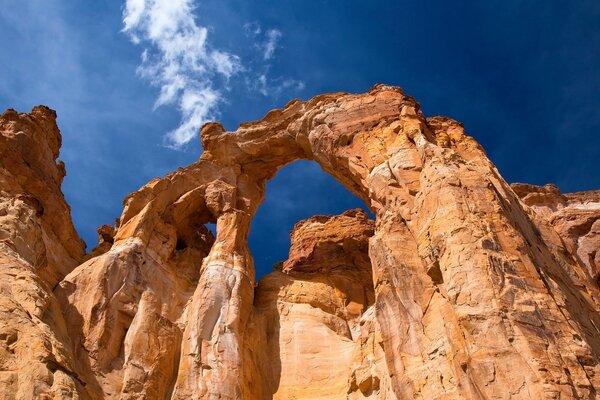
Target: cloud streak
266 41
273 36
179 60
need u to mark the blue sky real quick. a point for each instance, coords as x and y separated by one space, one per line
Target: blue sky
523 76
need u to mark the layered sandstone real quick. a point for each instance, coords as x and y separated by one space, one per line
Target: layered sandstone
462 288
575 216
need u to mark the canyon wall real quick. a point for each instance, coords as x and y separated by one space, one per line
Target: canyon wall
462 288
38 247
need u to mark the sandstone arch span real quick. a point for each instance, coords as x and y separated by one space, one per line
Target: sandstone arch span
470 285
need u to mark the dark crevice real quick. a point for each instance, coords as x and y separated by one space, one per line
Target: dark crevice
53 366
435 273
180 245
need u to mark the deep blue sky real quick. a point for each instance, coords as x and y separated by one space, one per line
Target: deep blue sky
523 76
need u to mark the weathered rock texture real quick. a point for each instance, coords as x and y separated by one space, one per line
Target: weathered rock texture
315 319
459 290
38 247
575 216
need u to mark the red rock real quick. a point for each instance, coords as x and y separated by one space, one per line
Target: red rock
467 288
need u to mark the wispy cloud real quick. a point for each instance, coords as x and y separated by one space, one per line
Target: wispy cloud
270 45
266 41
252 28
274 87
191 74
179 60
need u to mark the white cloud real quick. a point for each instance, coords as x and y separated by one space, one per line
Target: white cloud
192 75
179 61
262 84
252 28
195 106
266 42
281 85
275 87
273 36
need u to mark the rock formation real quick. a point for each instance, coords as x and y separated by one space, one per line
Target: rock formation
462 288
575 216
315 318
38 247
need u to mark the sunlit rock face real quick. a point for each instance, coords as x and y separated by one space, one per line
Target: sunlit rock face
316 316
462 287
38 247
575 216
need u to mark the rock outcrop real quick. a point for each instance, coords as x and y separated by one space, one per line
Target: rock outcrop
315 318
575 216
462 288
38 247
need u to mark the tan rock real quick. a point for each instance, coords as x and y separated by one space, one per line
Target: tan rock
38 247
471 294
575 216
316 318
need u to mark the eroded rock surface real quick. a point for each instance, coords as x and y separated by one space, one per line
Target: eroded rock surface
38 247
575 216
316 317
463 287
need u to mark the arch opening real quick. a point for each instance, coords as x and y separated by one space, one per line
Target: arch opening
298 191
314 300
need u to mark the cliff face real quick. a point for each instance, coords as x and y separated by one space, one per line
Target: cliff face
463 287
38 247
315 318
575 216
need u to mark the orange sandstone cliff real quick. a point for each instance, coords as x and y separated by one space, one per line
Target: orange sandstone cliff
462 288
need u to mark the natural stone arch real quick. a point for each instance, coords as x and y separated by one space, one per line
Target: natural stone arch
383 149
462 273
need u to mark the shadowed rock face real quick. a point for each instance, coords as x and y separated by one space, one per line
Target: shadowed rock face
463 287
